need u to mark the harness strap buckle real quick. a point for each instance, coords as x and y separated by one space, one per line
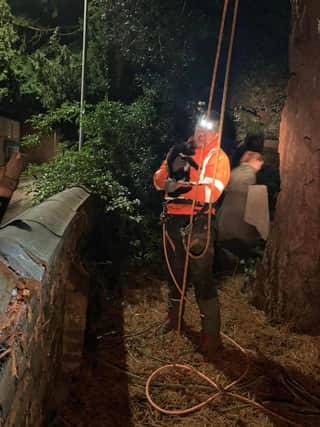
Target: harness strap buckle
164 213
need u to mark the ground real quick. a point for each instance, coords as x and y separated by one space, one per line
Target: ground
284 371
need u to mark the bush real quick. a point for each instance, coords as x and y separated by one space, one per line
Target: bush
84 168
116 163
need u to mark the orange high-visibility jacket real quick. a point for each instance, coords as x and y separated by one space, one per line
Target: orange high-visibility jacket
214 162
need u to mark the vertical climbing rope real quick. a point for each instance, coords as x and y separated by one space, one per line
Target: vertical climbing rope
217 58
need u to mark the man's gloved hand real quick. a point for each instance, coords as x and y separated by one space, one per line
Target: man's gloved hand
174 189
170 185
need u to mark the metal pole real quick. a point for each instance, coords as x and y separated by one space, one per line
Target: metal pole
84 56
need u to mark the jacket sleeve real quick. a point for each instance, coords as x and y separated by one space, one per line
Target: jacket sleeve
222 173
160 176
215 179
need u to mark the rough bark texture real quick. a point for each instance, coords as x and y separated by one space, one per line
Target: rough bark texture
288 281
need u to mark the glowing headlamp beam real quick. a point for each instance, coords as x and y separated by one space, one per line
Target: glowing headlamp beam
206 124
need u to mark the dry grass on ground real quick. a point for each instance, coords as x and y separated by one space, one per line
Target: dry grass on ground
110 390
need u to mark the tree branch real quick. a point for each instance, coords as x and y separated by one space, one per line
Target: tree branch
45 30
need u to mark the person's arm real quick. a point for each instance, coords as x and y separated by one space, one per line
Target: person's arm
222 173
160 176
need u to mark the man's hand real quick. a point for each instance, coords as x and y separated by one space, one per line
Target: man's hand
174 188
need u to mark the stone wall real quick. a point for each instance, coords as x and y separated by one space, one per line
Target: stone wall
43 305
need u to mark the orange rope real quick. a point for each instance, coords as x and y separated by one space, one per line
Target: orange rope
220 391
164 236
217 59
226 82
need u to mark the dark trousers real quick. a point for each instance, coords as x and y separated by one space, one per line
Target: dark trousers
200 270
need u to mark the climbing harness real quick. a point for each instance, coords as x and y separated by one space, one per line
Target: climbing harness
219 390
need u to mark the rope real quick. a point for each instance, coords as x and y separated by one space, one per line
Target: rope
217 59
219 390
164 236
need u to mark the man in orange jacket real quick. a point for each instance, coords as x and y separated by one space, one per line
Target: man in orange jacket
208 173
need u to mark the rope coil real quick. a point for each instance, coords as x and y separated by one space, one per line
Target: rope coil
219 390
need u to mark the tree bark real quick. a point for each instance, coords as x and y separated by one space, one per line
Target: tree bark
288 279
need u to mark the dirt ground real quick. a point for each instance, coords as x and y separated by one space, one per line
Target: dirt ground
284 372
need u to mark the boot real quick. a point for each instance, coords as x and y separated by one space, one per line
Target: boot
210 341
172 322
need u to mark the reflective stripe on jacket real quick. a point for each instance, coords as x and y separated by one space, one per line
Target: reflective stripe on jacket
215 165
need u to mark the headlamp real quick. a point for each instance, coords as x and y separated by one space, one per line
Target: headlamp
206 124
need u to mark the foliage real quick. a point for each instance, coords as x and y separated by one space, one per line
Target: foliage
258 101
118 140
149 30
130 134
98 62
50 75
48 13
66 113
142 44
8 38
31 140
44 124
258 85
84 168
116 164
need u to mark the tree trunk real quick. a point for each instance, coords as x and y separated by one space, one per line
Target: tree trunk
288 280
